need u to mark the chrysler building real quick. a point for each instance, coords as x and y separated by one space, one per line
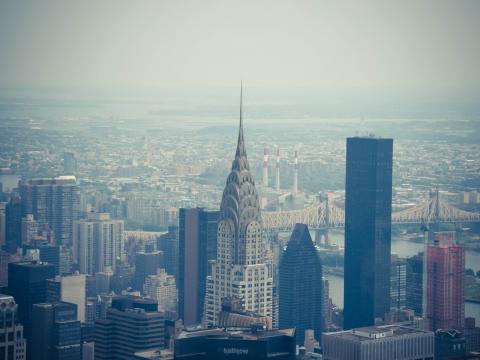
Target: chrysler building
240 270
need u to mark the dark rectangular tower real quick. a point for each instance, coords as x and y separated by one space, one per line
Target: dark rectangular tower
368 210
197 246
27 283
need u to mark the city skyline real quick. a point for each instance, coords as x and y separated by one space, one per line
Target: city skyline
134 226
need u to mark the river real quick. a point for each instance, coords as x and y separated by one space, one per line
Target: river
405 248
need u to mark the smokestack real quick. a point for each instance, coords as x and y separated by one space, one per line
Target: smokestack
295 174
265 166
277 171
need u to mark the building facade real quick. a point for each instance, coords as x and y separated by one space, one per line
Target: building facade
162 288
168 244
445 283
27 284
378 343
368 209
97 243
398 283
56 332
220 344
197 247
414 291
146 263
12 343
131 325
240 270
71 289
300 286
52 202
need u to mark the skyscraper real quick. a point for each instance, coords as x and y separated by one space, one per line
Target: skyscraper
240 270
445 283
97 243
56 331
131 325
414 291
27 284
300 285
13 224
52 202
197 246
398 283
168 244
368 209
162 288
146 263
3 220
12 342
69 162
71 289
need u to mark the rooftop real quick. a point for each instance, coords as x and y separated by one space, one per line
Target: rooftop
245 334
376 332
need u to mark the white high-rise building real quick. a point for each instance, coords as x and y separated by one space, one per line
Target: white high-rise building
162 288
70 288
241 270
97 243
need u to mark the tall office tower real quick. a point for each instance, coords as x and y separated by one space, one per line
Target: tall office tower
414 291
168 244
197 247
277 171
3 222
398 283
240 270
162 287
391 342
69 163
97 243
56 332
13 224
131 325
52 202
445 283
71 289
146 263
326 306
12 343
368 209
4 260
265 167
300 285
27 284
295 174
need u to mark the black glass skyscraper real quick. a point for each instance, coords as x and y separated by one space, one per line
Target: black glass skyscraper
300 285
368 210
27 284
56 331
197 246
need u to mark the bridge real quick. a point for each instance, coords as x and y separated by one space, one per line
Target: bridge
434 209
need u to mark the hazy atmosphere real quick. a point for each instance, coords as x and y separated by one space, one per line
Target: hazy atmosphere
239 180
427 47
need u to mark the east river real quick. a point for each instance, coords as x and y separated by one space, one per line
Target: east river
405 248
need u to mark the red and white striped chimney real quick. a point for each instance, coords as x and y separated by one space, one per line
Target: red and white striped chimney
277 171
295 174
265 166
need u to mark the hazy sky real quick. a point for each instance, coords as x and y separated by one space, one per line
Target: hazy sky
424 46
